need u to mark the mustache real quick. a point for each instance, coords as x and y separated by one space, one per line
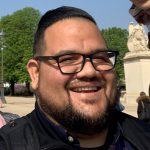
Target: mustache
86 81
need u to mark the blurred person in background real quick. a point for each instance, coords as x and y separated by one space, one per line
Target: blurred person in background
140 10
6 117
143 109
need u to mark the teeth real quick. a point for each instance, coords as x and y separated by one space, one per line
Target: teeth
86 89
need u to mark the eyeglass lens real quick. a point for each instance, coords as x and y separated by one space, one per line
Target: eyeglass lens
72 63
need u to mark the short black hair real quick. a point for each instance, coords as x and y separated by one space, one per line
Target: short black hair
51 17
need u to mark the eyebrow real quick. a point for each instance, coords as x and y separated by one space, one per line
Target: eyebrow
65 52
99 50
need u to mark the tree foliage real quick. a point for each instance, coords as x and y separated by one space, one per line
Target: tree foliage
116 39
18 31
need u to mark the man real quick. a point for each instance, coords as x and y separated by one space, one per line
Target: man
143 109
73 76
143 4
140 10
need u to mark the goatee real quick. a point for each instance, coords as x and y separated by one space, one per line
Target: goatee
79 123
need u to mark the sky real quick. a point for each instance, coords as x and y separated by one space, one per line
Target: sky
107 13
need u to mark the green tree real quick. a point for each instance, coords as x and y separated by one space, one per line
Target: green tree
116 39
19 29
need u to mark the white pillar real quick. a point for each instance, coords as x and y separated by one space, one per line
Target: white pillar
137 74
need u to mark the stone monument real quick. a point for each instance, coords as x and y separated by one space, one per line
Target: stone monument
136 63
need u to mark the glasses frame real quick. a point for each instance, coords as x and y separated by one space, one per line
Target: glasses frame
90 56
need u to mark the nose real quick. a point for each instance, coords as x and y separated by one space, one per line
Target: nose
87 71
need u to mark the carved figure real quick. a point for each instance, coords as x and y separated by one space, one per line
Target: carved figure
137 39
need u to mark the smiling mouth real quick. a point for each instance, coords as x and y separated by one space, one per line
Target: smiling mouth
86 89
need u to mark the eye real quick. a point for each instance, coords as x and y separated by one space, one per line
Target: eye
70 59
66 58
101 58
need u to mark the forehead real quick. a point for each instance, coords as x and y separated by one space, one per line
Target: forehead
80 35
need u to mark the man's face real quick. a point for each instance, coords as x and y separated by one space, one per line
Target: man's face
143 4
70 98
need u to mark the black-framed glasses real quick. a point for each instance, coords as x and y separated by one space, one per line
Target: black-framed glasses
102 60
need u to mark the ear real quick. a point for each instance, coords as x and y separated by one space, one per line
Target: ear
33 70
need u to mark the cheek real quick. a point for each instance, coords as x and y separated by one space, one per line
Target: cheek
111 84
52 82
110 78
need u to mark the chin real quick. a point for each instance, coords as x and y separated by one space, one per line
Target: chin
87 119
92 112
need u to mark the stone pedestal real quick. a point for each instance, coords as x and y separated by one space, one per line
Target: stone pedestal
137 74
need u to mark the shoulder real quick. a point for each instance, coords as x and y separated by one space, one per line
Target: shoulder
147 100
135 129
18 124
14 127
11 131
19 131
9 116
128 120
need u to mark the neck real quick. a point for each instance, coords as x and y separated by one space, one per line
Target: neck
93 140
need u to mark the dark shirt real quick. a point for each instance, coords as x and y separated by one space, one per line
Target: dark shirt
36 132
114 140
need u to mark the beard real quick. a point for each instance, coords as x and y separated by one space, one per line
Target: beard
77 122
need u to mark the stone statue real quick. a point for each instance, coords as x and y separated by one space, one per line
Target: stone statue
137 39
